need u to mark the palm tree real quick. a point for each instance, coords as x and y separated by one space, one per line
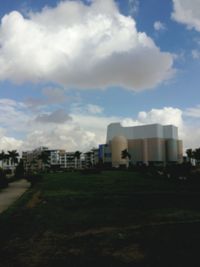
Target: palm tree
13 155
190 153
44 157
3 158
126 155
77 156
196 154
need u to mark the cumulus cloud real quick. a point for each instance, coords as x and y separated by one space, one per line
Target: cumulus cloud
57 116
91 109
82 46
83 130
14 115
195 54
193 112
8 143
159 26
50 96
133 6
167 115
187 12
94 109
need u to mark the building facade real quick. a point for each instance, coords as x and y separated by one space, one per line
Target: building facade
155 143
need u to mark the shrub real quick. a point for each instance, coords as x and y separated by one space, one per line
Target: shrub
19 172
33 178
3 180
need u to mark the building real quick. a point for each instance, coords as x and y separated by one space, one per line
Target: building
57 159
90 158
149 144
31 159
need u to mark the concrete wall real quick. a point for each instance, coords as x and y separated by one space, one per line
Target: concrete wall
118 144
149 143
142 132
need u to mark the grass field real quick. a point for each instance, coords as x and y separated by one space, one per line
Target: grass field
116 218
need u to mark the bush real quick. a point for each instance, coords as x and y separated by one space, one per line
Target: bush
3 180
19 172
33 178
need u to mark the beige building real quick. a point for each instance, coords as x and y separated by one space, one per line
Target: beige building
153 143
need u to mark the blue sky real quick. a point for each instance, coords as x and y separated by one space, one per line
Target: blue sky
67 69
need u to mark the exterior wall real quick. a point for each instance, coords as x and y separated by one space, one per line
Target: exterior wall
180 151
118 144
172 150
142 132
155 149
144 150
105 153
135 148
147 143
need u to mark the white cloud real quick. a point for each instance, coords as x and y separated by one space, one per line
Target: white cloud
187 12
133 6
86 129
83 46
159 26
94 109
91 109
193 112
8 143
167 115
58 116
196 54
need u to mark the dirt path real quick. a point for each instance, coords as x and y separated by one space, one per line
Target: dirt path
9 195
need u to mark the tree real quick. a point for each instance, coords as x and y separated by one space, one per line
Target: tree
77 156
44 157
3 180
125 154
13 155
19 172
3 158
190 153
196 154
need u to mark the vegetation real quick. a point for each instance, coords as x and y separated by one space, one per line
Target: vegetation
193 154
19 171
125 154
3 157
44 157
13 155
3 180
116 218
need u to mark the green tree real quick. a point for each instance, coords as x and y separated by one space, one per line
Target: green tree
13 155
44 157
190 153
125 154
3 158
77 156
196 154
19 171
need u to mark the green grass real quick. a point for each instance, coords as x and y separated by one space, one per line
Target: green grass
116 218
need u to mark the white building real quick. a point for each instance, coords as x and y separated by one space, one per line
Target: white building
153 143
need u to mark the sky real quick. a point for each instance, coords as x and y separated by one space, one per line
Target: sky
69 68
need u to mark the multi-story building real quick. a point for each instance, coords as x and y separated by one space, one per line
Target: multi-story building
55 159
155 143
91 158
31 159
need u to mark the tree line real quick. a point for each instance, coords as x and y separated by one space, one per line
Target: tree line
11 156
193 154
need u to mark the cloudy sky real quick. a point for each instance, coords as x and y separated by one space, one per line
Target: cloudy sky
69 68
